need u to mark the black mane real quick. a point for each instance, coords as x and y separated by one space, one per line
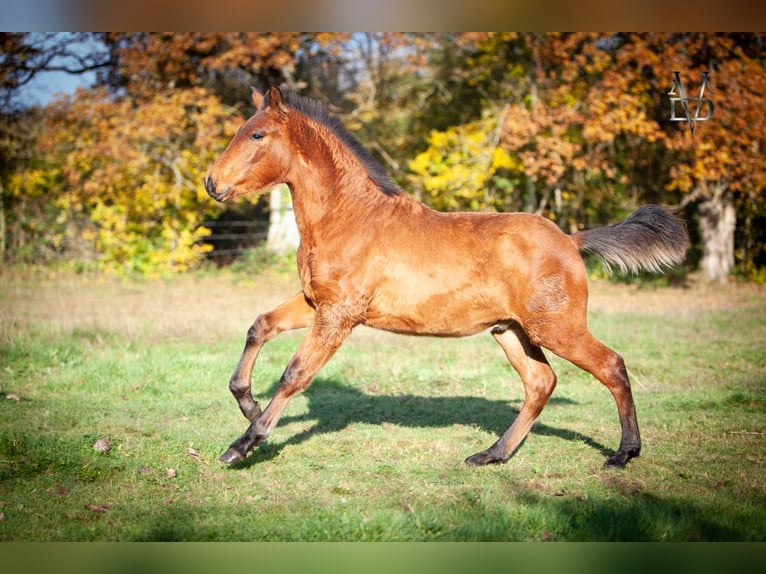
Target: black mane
316 110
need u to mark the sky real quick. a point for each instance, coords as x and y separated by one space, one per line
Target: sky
46 85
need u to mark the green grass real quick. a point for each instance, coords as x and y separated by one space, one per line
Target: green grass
373 450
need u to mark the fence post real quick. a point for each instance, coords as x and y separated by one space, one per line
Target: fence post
283 232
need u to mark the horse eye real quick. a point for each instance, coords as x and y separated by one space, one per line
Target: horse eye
257 136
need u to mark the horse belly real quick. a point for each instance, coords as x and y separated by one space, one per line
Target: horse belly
441 314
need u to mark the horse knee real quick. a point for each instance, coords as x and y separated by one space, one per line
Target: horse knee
617 365
258 333
252 334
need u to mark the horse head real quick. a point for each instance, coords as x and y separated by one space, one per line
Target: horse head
258 156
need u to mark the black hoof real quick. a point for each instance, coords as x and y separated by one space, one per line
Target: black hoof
231 456
615 462
621 458
483 458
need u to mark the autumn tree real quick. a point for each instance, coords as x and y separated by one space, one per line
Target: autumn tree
464 167
718 169
388 93
124 178
529 86
19 215
721 165
120 167
586 116
23 56
227 65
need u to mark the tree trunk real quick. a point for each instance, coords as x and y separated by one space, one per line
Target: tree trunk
718 219
283 232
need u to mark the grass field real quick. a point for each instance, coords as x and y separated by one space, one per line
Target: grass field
374 449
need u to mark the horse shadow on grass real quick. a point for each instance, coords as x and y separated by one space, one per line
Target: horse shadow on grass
336 406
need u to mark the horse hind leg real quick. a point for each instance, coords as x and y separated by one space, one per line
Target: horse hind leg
539 381
588 353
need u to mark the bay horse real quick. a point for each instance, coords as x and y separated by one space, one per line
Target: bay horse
371 254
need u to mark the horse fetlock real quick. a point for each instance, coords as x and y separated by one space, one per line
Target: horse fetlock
240 448
238 387
259 432
237 451
250 408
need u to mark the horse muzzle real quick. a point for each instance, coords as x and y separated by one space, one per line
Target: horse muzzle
210 188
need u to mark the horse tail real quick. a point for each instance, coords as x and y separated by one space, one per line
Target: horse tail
652 238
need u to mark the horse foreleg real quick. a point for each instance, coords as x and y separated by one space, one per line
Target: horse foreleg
315 350
539 381
295 313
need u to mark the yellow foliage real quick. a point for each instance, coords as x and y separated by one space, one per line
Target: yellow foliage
458 167
132 175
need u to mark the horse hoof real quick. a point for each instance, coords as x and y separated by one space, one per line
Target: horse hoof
481 459
621 457
615 462
231 456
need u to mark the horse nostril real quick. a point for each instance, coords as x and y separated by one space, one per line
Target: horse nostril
209 185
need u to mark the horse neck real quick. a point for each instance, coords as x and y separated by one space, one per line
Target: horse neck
328 183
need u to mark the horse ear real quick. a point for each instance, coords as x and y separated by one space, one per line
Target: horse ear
276 99
257 98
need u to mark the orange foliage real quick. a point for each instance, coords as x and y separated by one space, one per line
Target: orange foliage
150 62
134 173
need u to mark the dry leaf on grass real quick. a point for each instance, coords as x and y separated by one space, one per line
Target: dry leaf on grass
99 508
60 490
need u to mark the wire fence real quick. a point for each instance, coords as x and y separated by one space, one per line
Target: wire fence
232 238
